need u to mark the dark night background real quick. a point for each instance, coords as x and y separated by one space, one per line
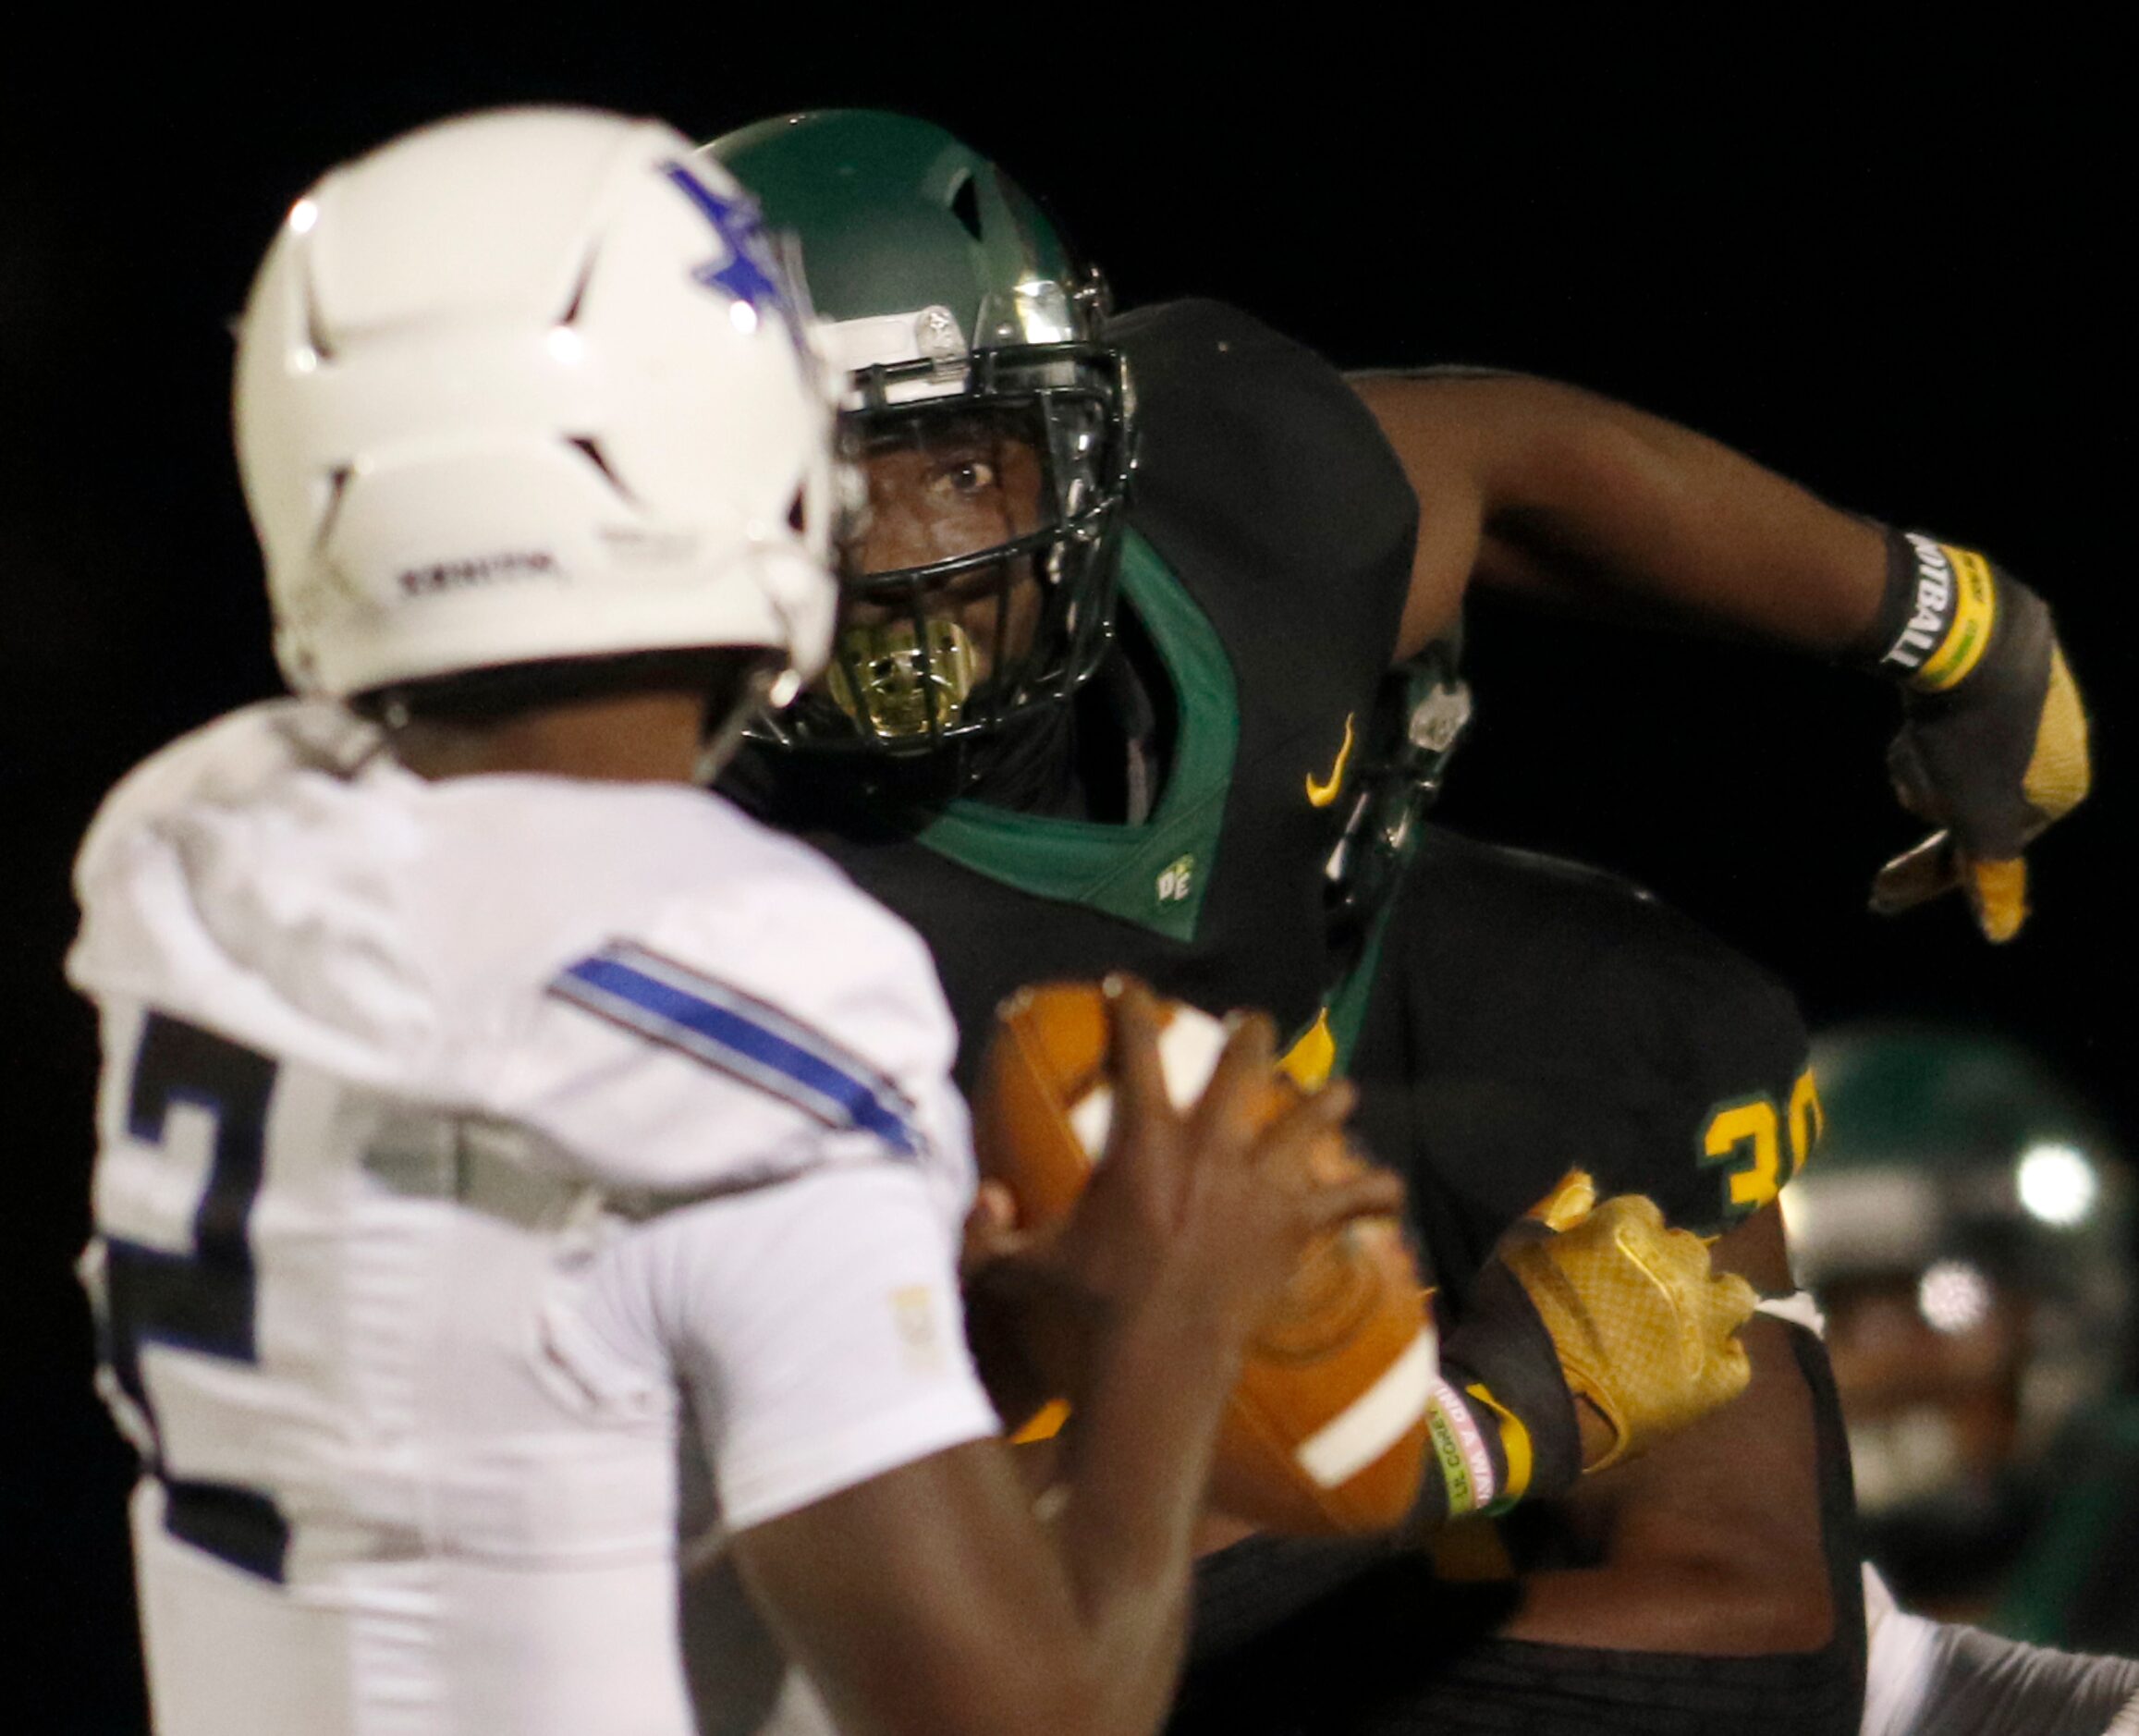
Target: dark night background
1888 271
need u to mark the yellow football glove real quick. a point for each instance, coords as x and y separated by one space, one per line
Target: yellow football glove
1566 1202
1644 1331
1993 747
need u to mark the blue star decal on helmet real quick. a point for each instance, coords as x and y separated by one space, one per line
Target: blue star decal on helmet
749 273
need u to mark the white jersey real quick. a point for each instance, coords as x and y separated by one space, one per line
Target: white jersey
478 1158
1924 1677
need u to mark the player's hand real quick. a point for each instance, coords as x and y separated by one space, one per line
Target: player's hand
1205 1210
1210 1208
1993 748
1643 1330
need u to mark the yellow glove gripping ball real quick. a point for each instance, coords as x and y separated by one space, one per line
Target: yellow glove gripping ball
1644 1331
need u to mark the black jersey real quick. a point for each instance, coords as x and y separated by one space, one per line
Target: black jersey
1525 1017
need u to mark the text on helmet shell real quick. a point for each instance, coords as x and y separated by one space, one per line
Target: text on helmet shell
480 570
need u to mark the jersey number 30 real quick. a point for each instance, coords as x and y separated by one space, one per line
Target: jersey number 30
200 1300
1746 1137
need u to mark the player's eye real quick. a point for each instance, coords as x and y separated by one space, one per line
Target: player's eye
964 479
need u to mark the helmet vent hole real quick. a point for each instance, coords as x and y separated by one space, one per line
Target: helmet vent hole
315 334
578 293
798 514
337 489
594 456
965 205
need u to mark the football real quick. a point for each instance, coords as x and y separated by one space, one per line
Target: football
1327 1430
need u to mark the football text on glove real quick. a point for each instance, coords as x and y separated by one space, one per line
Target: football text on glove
1993 743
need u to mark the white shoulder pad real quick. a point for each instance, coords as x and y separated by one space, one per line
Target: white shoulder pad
767 1021
222 762
713 1021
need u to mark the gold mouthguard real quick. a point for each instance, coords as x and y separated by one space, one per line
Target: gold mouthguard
897 674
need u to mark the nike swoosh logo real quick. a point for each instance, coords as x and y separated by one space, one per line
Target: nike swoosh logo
1322 795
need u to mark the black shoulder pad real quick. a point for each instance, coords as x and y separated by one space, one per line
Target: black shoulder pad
1557 1017
1262 433
1266 483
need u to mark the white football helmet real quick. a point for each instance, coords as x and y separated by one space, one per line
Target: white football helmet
526 386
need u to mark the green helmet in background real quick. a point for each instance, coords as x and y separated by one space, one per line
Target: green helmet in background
1941 1141
959 315
1965 1225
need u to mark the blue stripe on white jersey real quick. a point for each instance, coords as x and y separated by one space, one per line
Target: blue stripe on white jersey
738 1034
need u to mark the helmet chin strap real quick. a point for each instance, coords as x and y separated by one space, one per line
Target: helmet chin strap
773 682
1028 765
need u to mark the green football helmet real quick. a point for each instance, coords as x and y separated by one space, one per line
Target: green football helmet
969 336
1965 1226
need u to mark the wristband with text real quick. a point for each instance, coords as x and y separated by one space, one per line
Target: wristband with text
1993 744
1940 613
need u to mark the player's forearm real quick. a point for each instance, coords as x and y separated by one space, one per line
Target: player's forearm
1138 1467
1713 1609
1593 498
1714 1542
1599 504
